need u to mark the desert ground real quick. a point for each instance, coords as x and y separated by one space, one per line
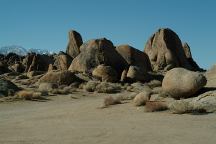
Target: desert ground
78 119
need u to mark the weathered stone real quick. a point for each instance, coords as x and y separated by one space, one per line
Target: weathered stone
105 73
165 51
180 82
18 67
96 52
136 74
37 62
7 87
124 76
62 61
134 57
59 77
75 41
194 66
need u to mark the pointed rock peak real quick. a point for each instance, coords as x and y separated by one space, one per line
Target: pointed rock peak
165 50
193 64
187 50
75 41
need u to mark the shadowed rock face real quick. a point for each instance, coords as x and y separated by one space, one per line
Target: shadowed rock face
75 41
62 61
7 87
96 52
134 57
37 62
105 73
165 51
193 64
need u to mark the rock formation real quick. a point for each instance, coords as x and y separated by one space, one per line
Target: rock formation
165 51
37 62
105 73
59 77
96 52
193 64
62 61
134 57
75 41
7 88
135 73
182 83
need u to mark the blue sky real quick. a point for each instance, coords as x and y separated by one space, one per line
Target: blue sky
44 24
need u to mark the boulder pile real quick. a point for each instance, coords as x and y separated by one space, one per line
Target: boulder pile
163 76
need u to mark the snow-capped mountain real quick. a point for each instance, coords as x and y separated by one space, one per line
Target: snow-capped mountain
19 50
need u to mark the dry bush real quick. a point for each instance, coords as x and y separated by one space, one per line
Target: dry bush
106 87
28 95
141 98
91 86
152 106
109 100
64 91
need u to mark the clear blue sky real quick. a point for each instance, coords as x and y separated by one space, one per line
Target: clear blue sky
44 24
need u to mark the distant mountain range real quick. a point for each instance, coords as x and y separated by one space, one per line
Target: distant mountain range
19 50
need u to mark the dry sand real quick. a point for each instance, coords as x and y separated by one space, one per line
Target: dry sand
64 120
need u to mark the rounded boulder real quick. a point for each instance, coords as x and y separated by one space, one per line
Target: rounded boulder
182 83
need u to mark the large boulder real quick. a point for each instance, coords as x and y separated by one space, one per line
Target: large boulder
37 62
182 83
96 52
165 51
75 41
7 87
105 73
59 77
134 57
205 102
62 61
193 64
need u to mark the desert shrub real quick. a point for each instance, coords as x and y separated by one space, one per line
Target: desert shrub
152 106
141 98
63 91
109 100
47 87
91 86
28 95
106 87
